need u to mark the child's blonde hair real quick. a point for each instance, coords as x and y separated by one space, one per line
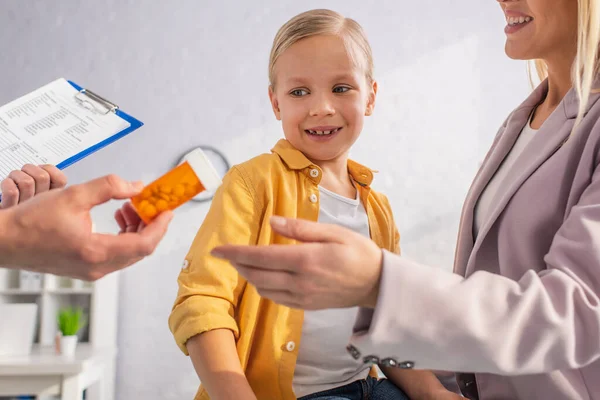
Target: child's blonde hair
323 22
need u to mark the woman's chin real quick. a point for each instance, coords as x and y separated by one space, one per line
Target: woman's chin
515 53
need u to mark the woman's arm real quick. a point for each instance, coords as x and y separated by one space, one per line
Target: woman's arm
489 323
433 319
216 362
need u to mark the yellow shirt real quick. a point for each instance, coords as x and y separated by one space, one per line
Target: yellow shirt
212 295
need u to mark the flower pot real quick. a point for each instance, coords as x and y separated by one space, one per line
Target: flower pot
68 345
17 328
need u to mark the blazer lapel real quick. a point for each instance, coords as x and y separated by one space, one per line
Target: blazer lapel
506 138
552 135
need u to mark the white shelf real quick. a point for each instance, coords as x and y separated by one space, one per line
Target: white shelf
44 374
17 291
70 291
97 340
44 360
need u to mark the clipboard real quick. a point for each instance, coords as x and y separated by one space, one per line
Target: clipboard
47 126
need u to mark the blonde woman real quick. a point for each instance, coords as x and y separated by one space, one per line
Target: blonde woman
521 312
242 345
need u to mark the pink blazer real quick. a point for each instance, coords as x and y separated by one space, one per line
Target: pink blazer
522 309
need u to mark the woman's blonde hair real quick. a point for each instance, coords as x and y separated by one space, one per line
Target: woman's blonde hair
587 61
323 22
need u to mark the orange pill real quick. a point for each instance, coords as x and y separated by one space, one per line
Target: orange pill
161 205
150 211
165 189
164 196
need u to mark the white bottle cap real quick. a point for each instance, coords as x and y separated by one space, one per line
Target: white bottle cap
203 168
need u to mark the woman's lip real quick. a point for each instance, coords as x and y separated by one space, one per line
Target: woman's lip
510 29
515 13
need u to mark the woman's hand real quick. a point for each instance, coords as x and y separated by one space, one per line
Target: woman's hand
334 267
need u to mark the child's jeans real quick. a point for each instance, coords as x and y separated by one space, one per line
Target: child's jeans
364 389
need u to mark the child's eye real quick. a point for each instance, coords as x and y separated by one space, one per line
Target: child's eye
299 92
340 89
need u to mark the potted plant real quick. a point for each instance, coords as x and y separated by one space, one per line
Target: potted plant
70 322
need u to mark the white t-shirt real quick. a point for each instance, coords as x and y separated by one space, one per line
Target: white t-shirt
483 208
323 361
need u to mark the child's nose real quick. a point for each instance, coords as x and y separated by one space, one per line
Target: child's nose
322 105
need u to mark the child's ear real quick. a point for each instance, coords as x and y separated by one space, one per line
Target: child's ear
274 103
371 99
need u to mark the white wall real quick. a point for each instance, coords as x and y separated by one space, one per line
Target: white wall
195 73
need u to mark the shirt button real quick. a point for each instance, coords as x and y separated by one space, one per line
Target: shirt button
290 346
314 172
313 198
389 362
406 365
185 264
371 360
353 351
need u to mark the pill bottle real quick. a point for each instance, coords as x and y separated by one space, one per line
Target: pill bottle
193 176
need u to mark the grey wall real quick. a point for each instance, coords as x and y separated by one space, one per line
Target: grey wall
195 73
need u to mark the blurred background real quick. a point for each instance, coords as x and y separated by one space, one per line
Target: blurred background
195 72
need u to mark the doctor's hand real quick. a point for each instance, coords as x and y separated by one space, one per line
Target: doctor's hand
52 232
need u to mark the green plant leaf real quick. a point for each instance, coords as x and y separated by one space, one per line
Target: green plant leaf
71 320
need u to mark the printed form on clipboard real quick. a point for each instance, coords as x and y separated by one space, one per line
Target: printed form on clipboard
59 124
